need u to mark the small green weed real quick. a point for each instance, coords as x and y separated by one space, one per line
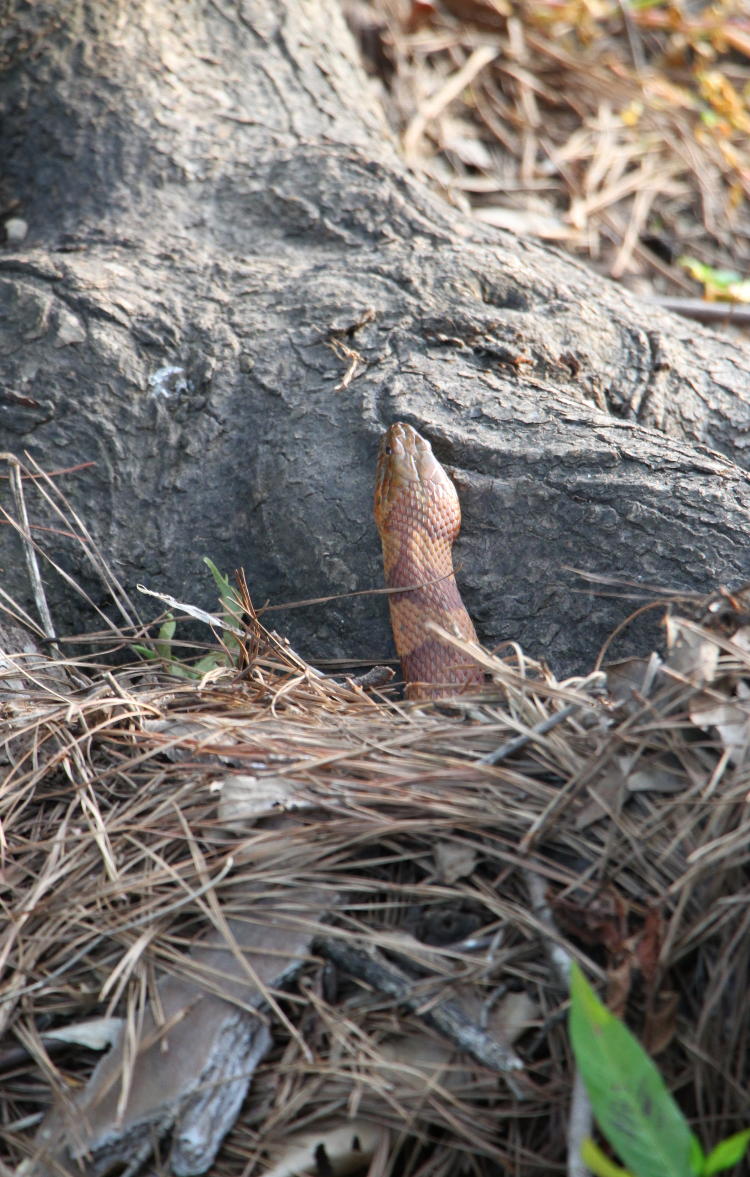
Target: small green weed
631 1103
162 650
717 284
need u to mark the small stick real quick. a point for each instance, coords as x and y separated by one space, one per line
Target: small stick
32 565
580 1118
705 312
539 729
579 1127
446 1016
378 676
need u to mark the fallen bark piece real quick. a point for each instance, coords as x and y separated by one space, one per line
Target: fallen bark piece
192 1068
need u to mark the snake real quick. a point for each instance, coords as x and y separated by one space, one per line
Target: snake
418 516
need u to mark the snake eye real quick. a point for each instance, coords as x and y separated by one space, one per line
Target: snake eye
388 450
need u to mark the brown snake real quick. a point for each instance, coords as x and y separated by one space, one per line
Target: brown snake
418 516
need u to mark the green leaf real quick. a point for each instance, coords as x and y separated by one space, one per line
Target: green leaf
145 652
698 270
629 1098
163 644
229 600
226 591
725 278
714 280
179 669
209 662
593 1157
727 1153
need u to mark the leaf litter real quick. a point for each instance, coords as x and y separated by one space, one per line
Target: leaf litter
367 906
617 130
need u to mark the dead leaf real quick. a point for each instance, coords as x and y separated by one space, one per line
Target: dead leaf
605 795
632 677
648 946
619 980
337 1149
656 779
454 860
660 1024
193 1063
244 798
730 718
692 654
96 1034
742 639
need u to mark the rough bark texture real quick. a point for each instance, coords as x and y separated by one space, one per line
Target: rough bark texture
212 198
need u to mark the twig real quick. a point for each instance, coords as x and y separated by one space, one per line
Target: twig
580 1118
579 1127
24 529
705 312
455 85
633 35
212 619
539 729
54 496
446 1016
378 676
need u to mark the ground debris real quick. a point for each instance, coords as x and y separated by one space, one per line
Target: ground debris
619 132
429 886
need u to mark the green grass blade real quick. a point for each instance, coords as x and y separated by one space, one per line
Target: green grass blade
144 652
727 1153
163 644
229 600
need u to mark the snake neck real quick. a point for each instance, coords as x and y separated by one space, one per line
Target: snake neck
418 517
417 536
417 556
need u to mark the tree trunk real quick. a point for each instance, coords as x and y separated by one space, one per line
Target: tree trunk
215 207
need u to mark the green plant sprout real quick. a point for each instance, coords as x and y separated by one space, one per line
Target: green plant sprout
161 650
717 284
630 1101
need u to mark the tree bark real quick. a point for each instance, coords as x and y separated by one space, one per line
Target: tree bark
214 205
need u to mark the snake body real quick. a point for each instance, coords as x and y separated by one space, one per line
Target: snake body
418 516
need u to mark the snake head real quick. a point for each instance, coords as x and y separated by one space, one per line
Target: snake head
406 463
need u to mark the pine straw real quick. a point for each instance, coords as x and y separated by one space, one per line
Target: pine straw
120 843
619 131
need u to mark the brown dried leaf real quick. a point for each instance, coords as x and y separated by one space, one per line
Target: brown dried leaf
648 946
660 1024
632 677
730 718
454 860
244 798
692 654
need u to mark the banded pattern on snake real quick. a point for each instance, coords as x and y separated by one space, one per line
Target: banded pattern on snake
418 515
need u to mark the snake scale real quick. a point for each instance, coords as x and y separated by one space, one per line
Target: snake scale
418 516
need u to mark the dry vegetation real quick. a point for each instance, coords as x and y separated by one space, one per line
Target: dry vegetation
456 847
617 130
